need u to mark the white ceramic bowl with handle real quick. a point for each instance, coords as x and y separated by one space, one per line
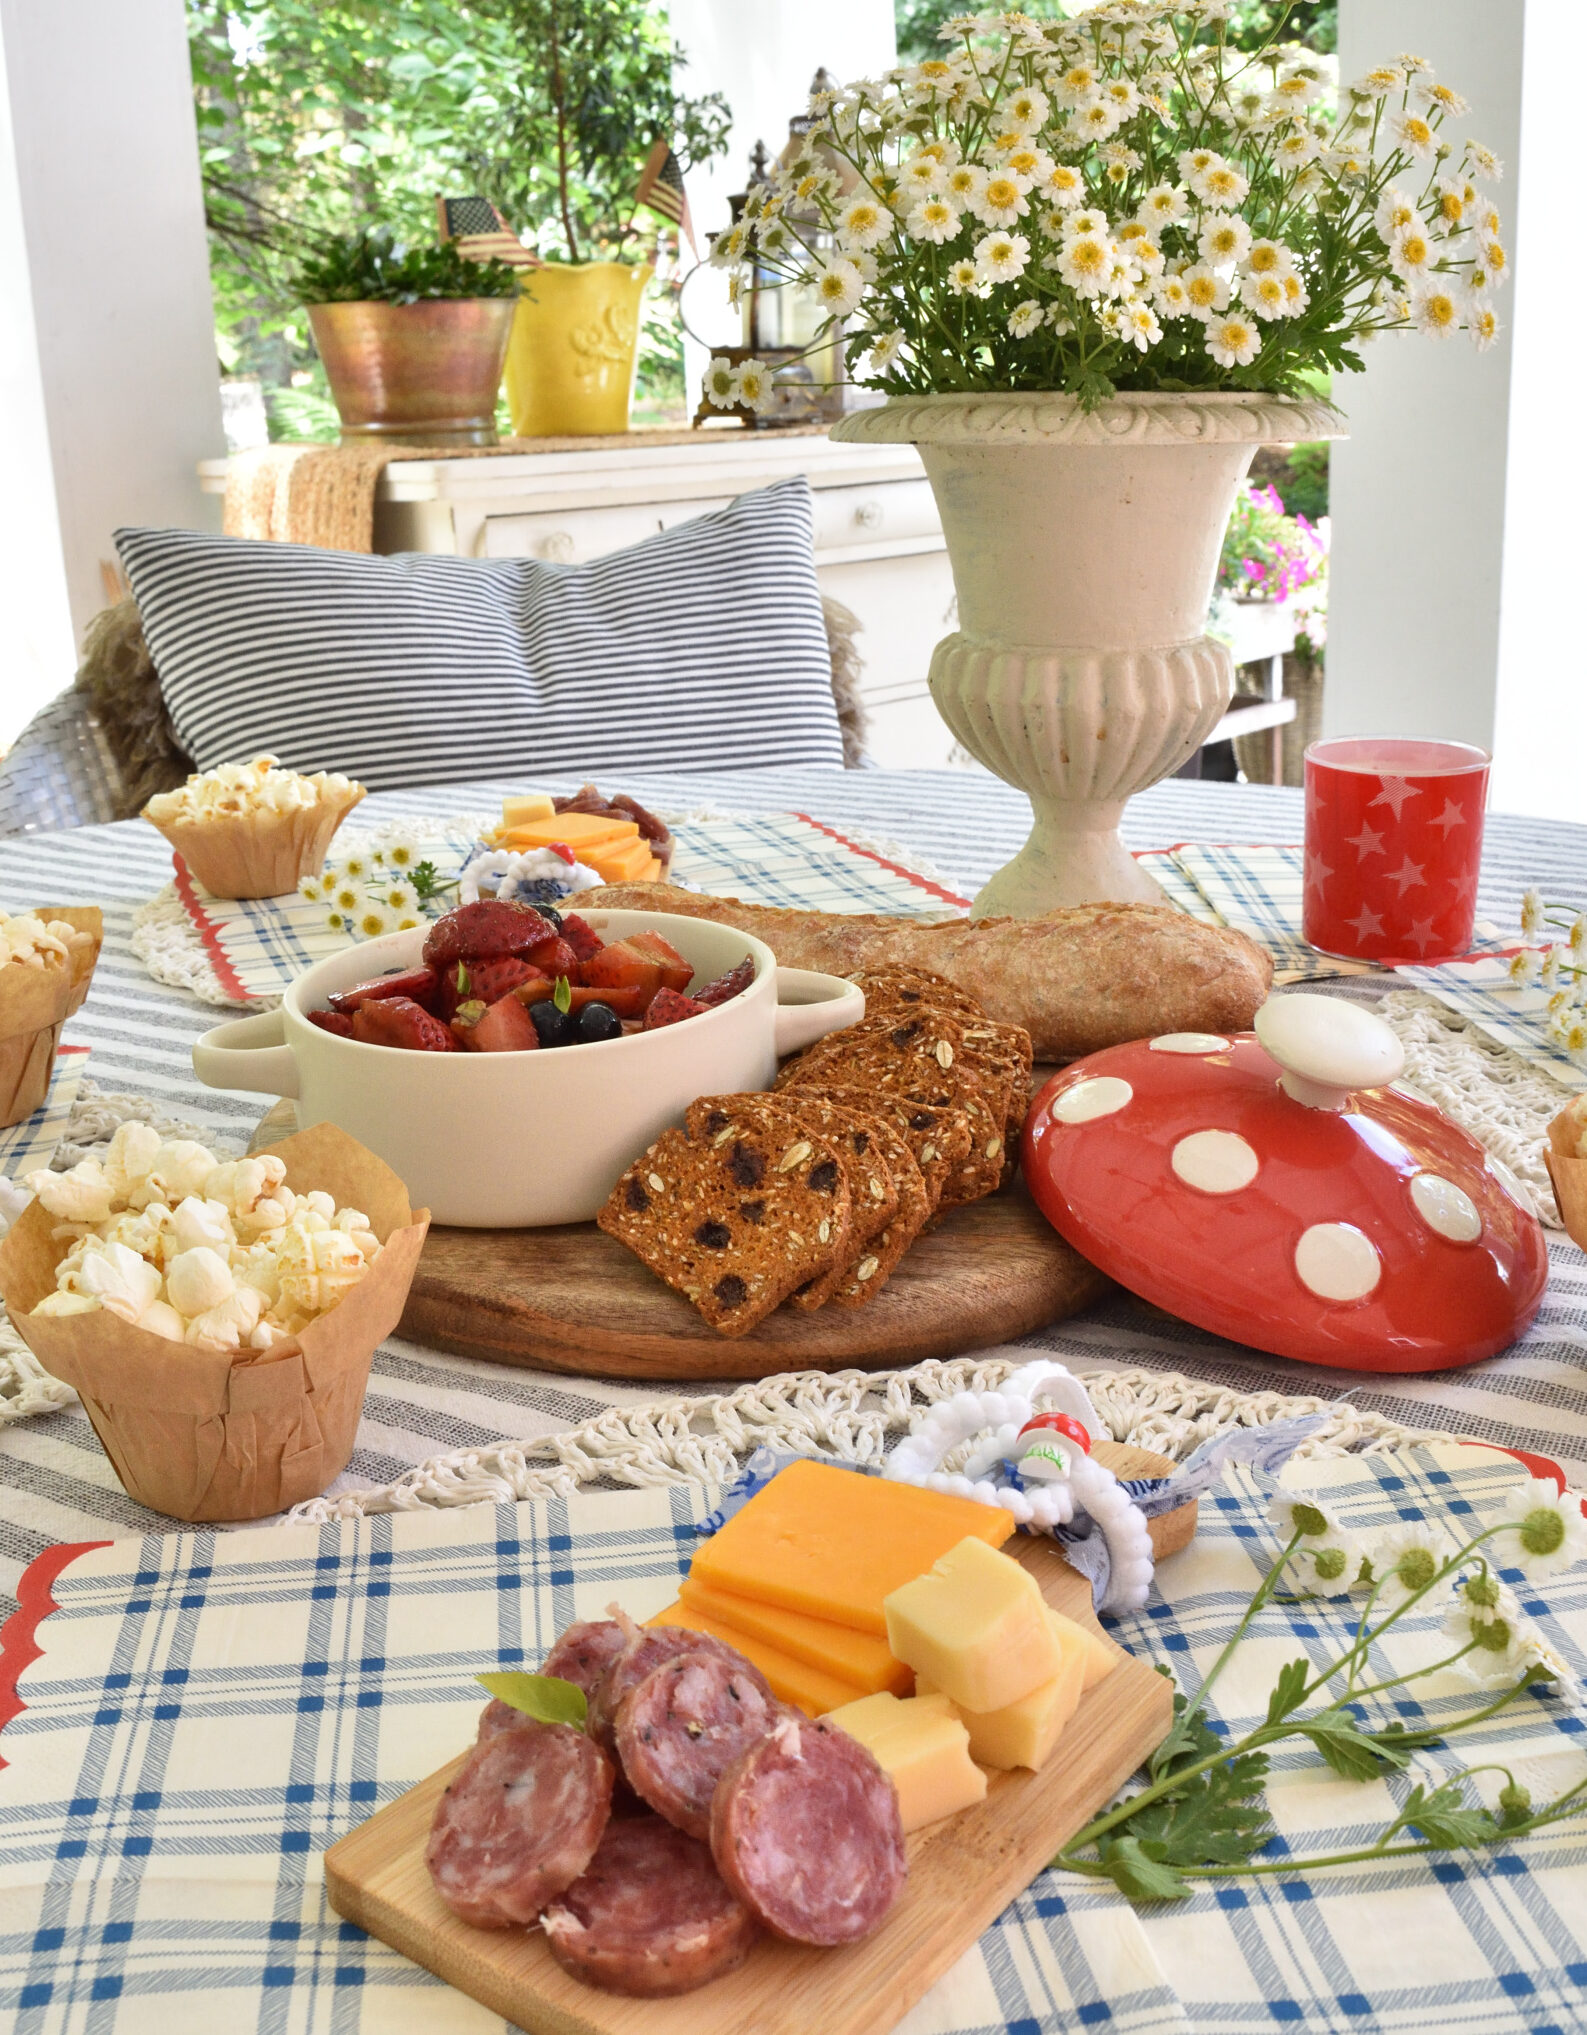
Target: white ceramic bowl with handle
518 1140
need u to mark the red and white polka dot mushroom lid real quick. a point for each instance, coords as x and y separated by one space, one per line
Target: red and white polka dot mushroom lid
1285 1189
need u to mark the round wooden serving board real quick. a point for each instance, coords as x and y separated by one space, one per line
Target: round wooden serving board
572 1299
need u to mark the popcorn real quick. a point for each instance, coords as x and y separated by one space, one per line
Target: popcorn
218 1255
31 942
246 788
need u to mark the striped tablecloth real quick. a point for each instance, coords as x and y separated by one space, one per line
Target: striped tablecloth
55 1484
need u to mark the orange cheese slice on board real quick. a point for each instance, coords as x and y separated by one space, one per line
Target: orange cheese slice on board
575 830
833 1544
836 1649
793 1681
617 861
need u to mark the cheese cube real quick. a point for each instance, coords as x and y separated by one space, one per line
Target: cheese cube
809 1689
839 1650
1102 1655
833 1544
923 1747
976 1627
1025 1732
531 805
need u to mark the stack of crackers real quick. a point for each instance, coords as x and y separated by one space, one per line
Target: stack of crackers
814 1192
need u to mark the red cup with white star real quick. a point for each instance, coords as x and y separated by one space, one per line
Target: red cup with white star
1393 847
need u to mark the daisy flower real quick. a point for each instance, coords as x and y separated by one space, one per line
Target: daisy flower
1304 1513
839 285
1486 1618
1064 185
965 183
1378 83
721 383
352 868
1544 1531
1223 238
1141 328
923 175
1194 160
1026 109
1411 252
755 392
1206 289
864 224
1414 135
1087 222
1324 1568
1269 258
1495 260
1001 257
1264 297
886 348
1097 121
1233 341
400 898
314 888
1296 295
1086 264
347 897
1078 86
1406 1559
1123 96
401 853
1220 184
337 922
963 277
933 219
1297 148
1439 98
1163 205
1534 913
1576 939
1001 200
1482 161
1173 299
1436 313
1026 318
1524 967
372 920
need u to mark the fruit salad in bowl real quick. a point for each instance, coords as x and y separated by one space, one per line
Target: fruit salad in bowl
506 977
643 1012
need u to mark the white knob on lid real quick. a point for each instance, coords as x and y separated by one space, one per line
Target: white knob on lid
1328 1048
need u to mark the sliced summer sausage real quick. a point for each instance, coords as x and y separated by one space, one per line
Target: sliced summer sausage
651 1915
805 1830
648 1646
519 1823
683 1725
582 1655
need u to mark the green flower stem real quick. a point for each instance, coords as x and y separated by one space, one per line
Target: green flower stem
1264 1591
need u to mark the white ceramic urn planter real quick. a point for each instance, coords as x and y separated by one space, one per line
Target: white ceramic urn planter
1084 549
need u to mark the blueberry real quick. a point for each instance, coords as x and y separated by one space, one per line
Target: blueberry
598 1021
556 1027
551 916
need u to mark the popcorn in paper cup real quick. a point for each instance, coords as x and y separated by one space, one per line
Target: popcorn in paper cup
253 829
47 959
1566 1158
217 1318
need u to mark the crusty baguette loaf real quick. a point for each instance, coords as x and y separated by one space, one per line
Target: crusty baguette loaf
1077 980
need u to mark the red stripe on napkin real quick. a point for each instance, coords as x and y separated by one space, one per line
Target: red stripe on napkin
896 868
209 933
19 1648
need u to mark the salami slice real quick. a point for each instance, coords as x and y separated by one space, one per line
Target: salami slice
805 1830
683 1725
519 1823
585 1651
650 1916
647 1648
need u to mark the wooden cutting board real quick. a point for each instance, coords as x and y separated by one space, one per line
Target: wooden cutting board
572 1299
962 1873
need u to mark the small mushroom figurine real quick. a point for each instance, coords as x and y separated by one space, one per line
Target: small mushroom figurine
1285 1189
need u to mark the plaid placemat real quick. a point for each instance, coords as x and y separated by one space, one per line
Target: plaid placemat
1482 992
259 946
32 1142
210 1711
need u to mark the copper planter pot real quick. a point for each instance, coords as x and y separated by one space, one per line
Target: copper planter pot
416 374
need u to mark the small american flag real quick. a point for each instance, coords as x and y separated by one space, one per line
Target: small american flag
479 232
661 188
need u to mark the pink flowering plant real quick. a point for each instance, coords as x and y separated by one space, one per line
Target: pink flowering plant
1269 555
1122 201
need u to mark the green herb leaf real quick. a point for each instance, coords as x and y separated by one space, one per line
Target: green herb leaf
1291 1686
1444 1817
1347 1748
461 979
562 995
1143 1878
545 1697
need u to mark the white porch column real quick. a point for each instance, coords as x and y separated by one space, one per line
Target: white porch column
1457 590
108 373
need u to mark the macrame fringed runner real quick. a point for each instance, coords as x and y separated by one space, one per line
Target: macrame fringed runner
850 1414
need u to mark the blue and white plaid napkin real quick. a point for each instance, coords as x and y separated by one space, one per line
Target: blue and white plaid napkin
32 1142
1482 992
210 1711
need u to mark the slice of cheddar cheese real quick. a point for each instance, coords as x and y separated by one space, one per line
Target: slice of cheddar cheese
575 830
1023 1733
833 1544
796 1682
925 1749
975 1625
836 1649
617 861
530 806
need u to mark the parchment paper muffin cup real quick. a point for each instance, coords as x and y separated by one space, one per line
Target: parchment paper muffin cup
34 1004
1569 1175
207 1435
258 854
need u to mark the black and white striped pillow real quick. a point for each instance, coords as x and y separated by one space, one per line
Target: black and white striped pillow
702 648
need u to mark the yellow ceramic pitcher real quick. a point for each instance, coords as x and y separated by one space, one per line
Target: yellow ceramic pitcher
570 364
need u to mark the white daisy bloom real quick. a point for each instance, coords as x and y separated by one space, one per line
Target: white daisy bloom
313 888
755 392
1224 238
1080 85
1414 135
1123 95
1296 149
337 921
933 219
1220 183
839 285
1026 318
721 384
1207 290
374 920
1263 296
400 898
1576 939
1495 260
1002 257
964 277
1193 161
1172 298
347 897
1141 249
1324 1568
729 247
1410 252
1486 1618
1405 1560
863 225
1523 969
1544 1530
1269 258
1141 328
1436 312
402 853
1096 121
1064 185
964 185
1378 83
1233 341
1296 295
1086 264
1087 222
1163 205
886 348
1534 913
352 868
1482 161
1001 199
1027 109
1305 1513
1436 98
923 176
1033 164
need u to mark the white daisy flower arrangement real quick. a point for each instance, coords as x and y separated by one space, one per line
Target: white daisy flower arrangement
371 891
936 202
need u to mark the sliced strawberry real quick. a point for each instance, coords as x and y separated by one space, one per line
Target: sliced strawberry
474 931
399 1021
491 980
336 1022
581 936
676 973
417 983
727 986
667 1007
623 966
624 1002
506 1027
553 956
